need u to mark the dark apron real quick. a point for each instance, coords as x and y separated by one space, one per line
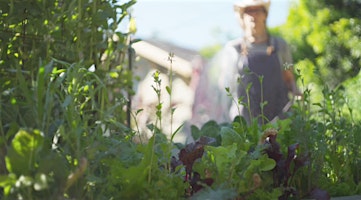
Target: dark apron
272 93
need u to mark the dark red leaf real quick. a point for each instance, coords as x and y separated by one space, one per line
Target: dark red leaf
290 156
292 151
301 161
197 183
273 151
192 152
189 154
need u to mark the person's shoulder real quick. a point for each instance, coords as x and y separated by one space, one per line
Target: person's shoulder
229 51
233 43
283 49
232 46
279 41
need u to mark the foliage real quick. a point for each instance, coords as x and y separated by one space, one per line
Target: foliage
66 77
34 33
325 37
209 51
247 170
64 132
325 40
328 135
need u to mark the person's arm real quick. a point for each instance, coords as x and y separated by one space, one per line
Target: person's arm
288 76
290 81
228 79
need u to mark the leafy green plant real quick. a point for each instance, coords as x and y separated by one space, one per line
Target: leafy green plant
29 165
238 165
326 133
67 78
64 128
94 154
324 62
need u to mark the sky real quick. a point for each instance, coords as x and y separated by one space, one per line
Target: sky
195 24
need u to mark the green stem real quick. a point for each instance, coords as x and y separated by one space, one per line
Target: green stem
157 89
78 41
151 161
262 102
170 58
2 133
91 53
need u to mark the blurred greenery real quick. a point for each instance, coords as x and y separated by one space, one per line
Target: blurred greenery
65 86
325 38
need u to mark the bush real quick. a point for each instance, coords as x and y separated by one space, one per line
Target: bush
65 128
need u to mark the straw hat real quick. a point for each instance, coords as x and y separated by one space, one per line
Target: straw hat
240 6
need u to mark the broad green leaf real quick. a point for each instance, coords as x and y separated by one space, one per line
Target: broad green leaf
211 129
263 163
196 133
267 164
7 180
114 75
23 151
230 136
224 156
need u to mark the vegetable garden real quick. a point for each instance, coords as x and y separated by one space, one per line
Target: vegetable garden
65 123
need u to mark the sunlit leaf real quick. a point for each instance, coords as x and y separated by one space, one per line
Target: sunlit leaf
168 90
23 151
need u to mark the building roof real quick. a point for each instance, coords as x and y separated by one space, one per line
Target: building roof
158 52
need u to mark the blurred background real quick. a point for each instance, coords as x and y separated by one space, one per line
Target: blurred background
324 37
194 31
198 23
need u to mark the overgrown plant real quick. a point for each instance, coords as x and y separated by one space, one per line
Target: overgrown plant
328 135
230 162
65 136
66 79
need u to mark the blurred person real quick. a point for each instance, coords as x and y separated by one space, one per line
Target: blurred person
255 69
